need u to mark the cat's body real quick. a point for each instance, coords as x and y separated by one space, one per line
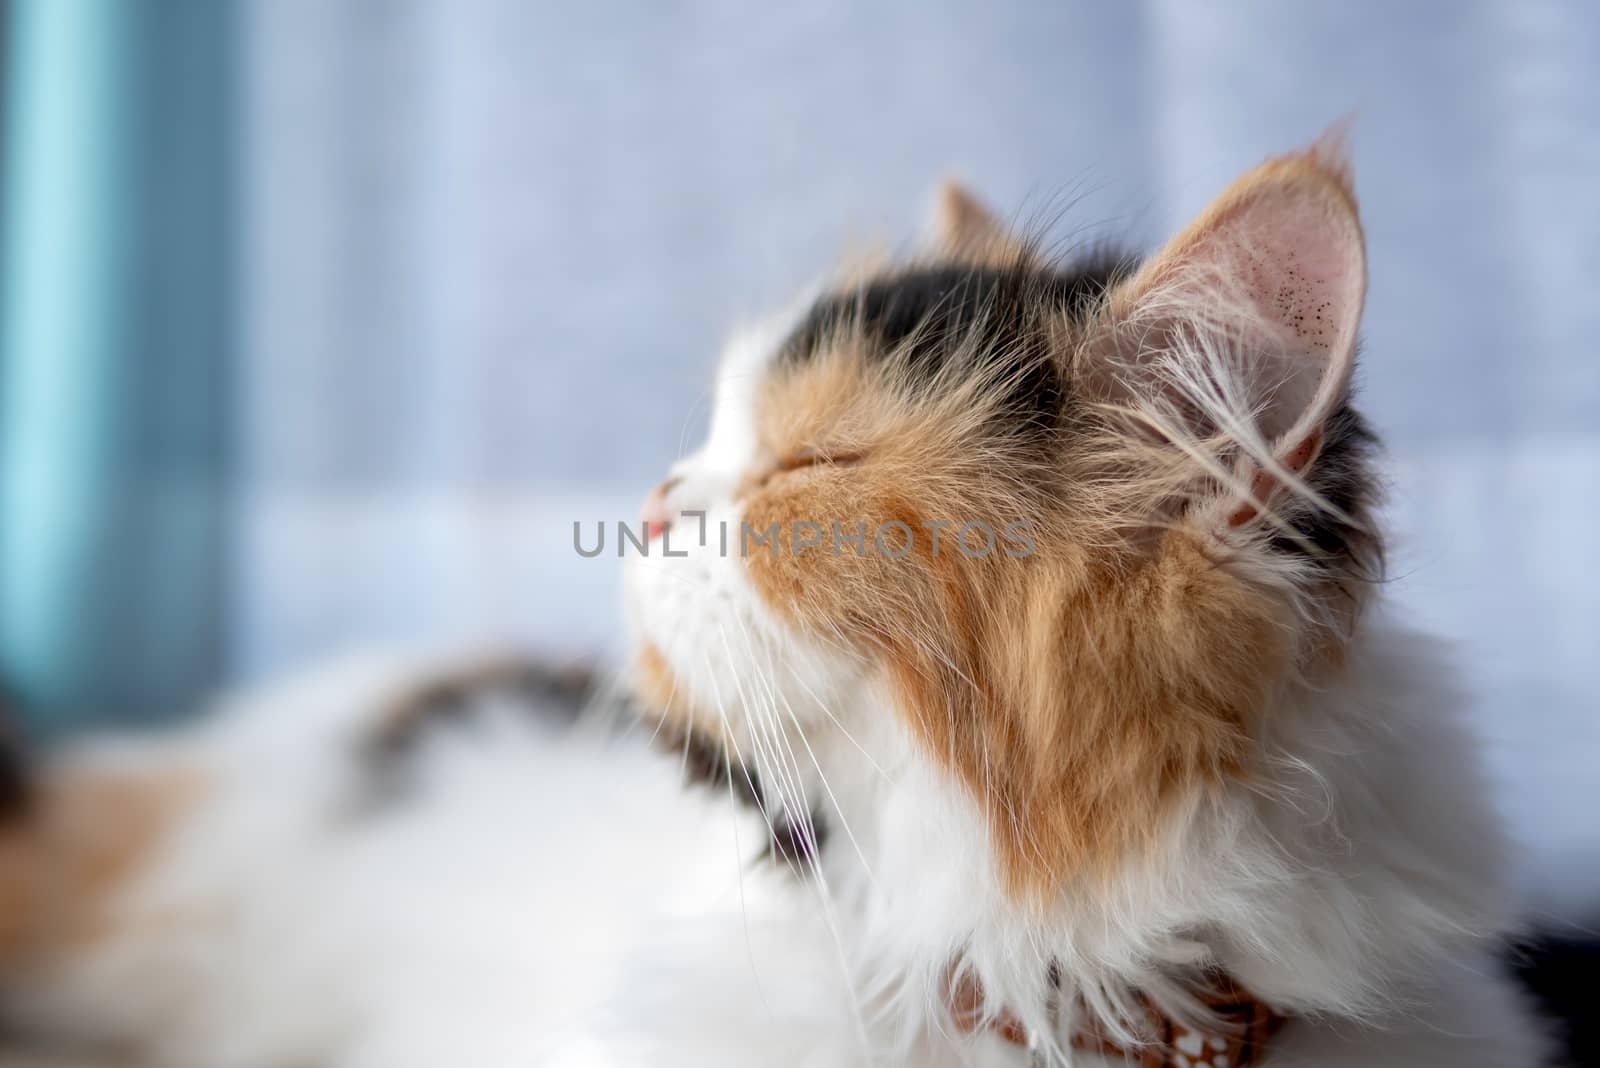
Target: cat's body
984 808
299 910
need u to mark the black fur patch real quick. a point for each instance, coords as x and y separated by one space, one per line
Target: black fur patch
16 771
705 763
1561 968
449 702
1341 541
1001 315
797 843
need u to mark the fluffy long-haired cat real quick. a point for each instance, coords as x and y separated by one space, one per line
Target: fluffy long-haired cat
1021 622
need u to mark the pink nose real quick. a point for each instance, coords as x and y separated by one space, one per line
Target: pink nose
655 513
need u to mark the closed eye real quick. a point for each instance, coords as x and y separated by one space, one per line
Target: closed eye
798 460
802 458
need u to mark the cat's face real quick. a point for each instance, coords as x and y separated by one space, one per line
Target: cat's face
1066 528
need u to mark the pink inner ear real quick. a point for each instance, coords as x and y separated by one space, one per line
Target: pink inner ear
1294 250
1304 272
1264 484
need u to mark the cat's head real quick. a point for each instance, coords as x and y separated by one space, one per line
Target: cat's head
1053 536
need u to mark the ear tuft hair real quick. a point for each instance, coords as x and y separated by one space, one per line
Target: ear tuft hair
1236 343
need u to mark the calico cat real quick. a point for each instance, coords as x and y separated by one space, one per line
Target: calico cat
1023 621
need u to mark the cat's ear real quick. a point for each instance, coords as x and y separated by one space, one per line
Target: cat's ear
1238 339
965 229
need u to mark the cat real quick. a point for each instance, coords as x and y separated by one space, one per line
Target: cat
1022 623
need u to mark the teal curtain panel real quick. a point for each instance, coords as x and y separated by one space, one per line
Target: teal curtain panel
114 355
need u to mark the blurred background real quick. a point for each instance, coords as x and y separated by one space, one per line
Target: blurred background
321 322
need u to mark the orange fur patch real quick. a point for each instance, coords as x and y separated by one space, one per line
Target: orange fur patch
1087 703
660 691
653 680
89 834
1078 693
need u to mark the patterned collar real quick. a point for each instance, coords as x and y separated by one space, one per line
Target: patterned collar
1238 1038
